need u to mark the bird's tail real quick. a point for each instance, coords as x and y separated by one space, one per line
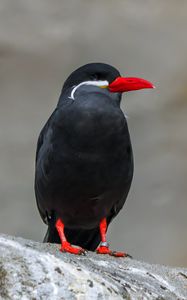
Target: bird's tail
51 236
87 239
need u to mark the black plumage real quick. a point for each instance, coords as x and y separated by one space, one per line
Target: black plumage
84 160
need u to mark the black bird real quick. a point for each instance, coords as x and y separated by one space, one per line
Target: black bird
84 160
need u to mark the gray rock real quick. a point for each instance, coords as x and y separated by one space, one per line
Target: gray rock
32 270
41 43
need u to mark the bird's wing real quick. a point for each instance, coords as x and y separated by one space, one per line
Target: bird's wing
39 153
115 210
62 106
118 205
43 133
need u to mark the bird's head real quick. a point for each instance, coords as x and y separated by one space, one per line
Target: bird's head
104 76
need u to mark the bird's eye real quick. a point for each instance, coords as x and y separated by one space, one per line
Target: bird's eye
96 76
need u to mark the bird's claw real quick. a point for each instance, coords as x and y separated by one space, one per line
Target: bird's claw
129 256
106 250
67 247
118 254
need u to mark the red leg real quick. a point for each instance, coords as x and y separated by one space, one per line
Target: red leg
65 246
104 247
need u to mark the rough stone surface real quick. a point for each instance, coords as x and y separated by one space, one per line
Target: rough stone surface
32 270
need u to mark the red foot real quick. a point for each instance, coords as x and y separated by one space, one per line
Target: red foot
66 247
103 250
106 250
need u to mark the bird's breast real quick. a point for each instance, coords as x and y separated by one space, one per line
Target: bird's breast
92 150
92 127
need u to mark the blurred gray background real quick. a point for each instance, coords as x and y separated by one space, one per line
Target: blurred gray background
41 43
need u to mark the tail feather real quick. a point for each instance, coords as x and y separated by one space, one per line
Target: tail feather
51 236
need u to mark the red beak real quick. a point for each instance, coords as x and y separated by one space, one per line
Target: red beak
125 84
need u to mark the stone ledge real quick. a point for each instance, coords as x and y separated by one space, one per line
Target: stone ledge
32 270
